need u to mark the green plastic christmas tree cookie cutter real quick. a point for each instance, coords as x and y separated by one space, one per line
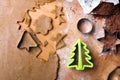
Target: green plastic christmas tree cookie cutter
80 65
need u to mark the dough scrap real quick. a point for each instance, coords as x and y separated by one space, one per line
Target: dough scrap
59 40
58 12
46 52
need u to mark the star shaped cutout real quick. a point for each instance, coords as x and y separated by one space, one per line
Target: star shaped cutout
58 12
112 27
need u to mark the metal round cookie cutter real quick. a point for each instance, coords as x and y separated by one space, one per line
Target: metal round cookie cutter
84 25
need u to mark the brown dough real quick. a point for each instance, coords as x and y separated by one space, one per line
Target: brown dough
59 40
60 44
103 9
42 2
58 12
48 70
26 20
46 51
43 24
18 64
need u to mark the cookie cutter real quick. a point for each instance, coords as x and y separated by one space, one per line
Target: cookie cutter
80 65
115 74
84 25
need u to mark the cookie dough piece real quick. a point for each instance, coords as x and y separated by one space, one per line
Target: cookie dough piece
43 25
59 40
58 12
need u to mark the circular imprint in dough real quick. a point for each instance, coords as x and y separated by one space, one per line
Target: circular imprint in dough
84 25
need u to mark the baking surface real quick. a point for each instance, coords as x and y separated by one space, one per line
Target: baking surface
17 64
